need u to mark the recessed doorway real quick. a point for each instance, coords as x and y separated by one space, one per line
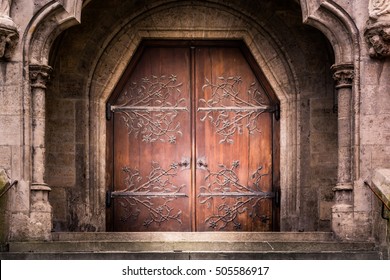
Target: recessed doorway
193 141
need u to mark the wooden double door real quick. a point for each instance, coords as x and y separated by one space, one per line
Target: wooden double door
193 141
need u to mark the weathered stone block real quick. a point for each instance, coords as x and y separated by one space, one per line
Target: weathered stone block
372 70
323 160
61 129
375 129
19 227
362 197
61 176
57 197
342 221
71 87
375 100
61 159
363 226
326 210
374 156
60 109
10 100
9 129
20 197
10 74
5 157
82 121
323 143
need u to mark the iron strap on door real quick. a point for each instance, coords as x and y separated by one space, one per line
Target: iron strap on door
224 183
137 112
159 184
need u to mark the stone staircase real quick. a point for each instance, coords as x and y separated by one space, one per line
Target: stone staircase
199 245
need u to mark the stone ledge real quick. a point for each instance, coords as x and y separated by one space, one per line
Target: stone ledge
380 185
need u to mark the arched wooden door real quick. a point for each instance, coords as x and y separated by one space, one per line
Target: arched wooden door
192 142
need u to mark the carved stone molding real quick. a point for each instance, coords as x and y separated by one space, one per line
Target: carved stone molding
39 75
379 9
377 32
378 39
5 7
9 36
343 74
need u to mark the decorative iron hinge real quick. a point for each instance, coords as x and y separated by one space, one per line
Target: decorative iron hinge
108 111
277 198
276 111
108 199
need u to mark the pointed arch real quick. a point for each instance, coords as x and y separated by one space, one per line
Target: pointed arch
336 24
48 23
340 29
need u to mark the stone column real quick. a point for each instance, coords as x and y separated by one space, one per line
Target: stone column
342 211
9 35
41 214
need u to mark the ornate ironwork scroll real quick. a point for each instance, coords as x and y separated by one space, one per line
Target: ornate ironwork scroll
224 184
229 111
139 195
147 111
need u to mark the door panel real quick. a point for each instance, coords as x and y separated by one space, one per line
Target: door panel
152 144
234 142
192 143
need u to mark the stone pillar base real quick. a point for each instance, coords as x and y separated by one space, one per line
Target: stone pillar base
342 212
343 221
41 213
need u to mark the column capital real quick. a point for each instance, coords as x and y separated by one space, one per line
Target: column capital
343 74
39 75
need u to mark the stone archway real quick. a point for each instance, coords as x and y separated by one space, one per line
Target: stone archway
103 80
111 60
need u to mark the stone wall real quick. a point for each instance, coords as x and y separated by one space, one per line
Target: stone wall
86 59
89 59
374 114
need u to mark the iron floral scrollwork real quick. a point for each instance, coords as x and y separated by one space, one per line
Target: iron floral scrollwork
229 111
139 195
225 184
149 108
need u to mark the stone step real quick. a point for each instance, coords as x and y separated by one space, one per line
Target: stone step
199 245
187 246
193 236
350 255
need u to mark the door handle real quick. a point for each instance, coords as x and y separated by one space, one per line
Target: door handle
201 164
185 163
